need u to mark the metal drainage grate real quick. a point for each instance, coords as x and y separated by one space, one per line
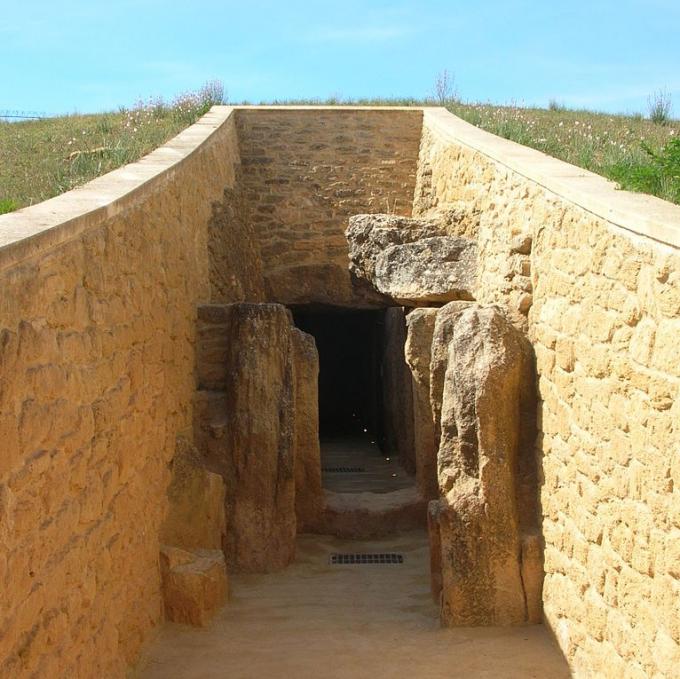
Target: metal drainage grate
365 559
342 470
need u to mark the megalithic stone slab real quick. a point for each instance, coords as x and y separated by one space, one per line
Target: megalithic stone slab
412 261
417 350
308 489
480 527
246 431
445 321
195 584
196 514
397 396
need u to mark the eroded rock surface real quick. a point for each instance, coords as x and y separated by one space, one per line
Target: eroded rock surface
308 489
194 584
246 431
445 321
396 385
412 261
417 350
488 386
195 517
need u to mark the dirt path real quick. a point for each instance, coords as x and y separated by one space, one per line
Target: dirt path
315 620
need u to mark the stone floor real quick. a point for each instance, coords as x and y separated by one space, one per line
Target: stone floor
314 620
381 474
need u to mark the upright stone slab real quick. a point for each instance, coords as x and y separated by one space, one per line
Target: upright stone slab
487 381
445 321
418 348
397 397
194 574
308 489
245 428
196 517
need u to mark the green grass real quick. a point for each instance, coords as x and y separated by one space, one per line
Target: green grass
658 175
619 147
40 159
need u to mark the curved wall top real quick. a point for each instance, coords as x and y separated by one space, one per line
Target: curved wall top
33 229
638 213
38 228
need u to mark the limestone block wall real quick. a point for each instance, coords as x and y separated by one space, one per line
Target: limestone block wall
234 251
468 193
304 172
604 275
98 294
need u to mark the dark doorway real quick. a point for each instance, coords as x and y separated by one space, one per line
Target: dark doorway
350 345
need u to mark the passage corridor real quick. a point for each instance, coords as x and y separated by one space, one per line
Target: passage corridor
316 620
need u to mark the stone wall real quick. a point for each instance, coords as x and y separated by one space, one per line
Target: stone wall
97 323
305 172
604 278
97 358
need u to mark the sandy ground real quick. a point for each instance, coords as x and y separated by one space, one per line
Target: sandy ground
346 622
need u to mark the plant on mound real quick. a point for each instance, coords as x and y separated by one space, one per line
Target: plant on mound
190 106
7 205
660 104
658 173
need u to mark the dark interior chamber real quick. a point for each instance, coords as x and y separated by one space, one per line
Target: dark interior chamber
350 345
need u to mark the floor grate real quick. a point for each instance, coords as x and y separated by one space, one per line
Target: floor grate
360 559
342 470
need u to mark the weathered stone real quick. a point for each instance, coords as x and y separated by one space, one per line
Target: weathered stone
445 321
195 516
246 433
417 350
412 261
532 576
362 516
487 384
308 489
457 219
521 244
434 509
397 396
194 584
212 349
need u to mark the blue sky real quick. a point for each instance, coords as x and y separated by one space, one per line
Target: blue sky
65 56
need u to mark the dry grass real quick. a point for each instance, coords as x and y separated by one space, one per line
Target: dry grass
40 159
595 141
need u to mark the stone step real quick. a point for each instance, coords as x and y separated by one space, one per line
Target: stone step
369 515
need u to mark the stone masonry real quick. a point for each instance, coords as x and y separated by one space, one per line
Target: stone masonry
98 370
97 327
305 174
604 321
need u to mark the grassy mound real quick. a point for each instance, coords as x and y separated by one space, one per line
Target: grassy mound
40 159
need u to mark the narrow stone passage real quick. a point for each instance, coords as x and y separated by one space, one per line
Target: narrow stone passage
346 622
372 471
